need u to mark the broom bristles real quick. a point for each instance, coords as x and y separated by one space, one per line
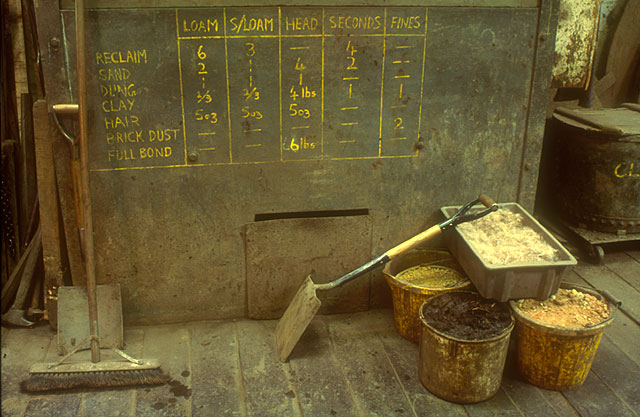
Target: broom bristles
55 381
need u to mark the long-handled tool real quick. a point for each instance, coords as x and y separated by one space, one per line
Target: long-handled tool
56 376
16 314
305 303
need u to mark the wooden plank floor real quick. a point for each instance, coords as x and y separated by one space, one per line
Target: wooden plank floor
345 365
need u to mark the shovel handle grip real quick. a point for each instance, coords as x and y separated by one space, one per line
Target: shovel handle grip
66 109
431 232
486 200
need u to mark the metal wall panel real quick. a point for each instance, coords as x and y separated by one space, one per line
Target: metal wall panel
409 109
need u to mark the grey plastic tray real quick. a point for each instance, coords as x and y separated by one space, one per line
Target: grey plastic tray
505 282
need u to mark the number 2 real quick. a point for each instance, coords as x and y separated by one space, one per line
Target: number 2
352 66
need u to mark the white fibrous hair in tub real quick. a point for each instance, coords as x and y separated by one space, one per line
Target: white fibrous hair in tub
502 238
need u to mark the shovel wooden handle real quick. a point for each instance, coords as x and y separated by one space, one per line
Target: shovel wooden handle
431 232
384 258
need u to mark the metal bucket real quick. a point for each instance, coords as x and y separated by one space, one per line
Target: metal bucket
407 298
598 177
555 357
457 370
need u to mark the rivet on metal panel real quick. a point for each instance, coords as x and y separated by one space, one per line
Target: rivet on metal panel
54 43
193 156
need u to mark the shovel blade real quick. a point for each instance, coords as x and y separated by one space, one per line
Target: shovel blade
73 317
296 318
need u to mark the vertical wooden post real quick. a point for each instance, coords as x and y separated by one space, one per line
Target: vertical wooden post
63 161
48 201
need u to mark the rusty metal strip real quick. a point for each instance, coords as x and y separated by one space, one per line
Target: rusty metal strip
538 98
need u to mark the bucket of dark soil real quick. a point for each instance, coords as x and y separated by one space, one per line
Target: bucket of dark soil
557 338
463 346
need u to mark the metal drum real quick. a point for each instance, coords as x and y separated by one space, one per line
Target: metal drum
598 169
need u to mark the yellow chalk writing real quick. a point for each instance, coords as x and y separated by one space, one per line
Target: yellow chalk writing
294 111
355 22
301 24
131 136
113 74
204 96
147 153
138 56
200 26
163 135
211 117
249 113
297 144
625 169
117 105
412 22
121 121
253 24
118 90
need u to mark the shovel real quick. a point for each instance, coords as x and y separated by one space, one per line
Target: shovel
305 303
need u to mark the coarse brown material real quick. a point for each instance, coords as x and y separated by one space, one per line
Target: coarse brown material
502 238
467 316
567 308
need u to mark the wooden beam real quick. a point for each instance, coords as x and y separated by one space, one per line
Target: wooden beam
49 213
63 160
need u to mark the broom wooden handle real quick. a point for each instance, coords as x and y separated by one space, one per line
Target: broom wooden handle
89 260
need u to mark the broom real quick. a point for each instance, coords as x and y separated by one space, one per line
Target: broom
94 374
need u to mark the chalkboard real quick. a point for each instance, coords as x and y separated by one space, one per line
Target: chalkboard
255 85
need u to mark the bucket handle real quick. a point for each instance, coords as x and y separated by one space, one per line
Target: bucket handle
617 304
606 294
610 298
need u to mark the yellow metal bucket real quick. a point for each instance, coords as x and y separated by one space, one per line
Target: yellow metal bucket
555 357
408 298
459 370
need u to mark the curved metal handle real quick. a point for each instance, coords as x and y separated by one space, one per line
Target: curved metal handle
67 110
462 217
610 298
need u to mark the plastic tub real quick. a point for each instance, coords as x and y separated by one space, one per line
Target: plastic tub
408 298
555 357
457 370
519 280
